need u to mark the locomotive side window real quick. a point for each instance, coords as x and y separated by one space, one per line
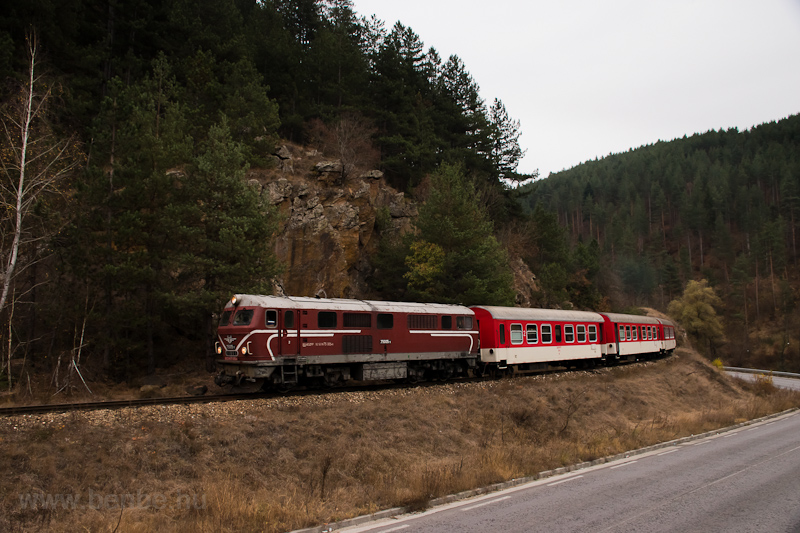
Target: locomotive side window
516 333
592 333
225 318
356 320
569 333
243 317
385 321
547 333
581 333
288 320
464 322
533 334
447 322
558 332
326 319
271 318
502 333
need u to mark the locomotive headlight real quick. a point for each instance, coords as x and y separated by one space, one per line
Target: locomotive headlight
244 350
234 300
218 348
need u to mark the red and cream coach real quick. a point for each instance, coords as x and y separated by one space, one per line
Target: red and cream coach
290 340
531 339
631 336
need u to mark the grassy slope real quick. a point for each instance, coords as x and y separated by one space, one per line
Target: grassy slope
277 465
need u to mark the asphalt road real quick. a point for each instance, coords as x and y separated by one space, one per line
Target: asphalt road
778 381
747 479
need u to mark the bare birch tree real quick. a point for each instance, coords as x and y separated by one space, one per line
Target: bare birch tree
33 164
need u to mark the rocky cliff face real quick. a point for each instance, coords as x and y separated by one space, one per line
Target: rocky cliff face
329 225
328 229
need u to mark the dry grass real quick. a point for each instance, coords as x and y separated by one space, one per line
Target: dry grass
257 466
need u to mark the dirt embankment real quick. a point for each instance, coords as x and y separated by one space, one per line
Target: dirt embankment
277 465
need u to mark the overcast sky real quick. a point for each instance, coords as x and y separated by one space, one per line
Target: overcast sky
591 77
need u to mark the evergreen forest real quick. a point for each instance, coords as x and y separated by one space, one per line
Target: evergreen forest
129 128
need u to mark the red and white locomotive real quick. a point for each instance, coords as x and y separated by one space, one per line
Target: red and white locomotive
290 340
284 341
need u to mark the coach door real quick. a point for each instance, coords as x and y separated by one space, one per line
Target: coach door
290 333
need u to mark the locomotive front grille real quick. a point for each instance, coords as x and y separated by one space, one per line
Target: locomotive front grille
231 353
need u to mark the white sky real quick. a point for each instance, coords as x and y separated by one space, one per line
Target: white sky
591 77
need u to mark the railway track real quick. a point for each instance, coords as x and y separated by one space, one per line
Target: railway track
119 404
185 400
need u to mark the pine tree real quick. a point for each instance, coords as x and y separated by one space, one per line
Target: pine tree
455 257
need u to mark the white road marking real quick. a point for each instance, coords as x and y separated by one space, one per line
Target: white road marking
398 528
485 503
701 443
563 481
665 453
623 464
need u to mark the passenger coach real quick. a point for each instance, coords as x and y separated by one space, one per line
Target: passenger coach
531 339
289 340
631 336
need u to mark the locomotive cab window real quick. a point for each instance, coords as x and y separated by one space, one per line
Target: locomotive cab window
569 333
533 334
447 322
243 317
547 333
464 322
592 333
385 321
225 318
326 319
516 333
271 318
581 332
288 320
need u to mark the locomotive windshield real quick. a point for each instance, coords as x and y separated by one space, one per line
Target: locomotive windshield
225 318
243 317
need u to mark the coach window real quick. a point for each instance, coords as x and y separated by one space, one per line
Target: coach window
547 333
464 322
581 333
569 333
271 318
533 334
622 333
627 333
635 333
385 321
516 333
592 333
447 322
502 333
326 319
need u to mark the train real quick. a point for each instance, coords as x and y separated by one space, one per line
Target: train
284 341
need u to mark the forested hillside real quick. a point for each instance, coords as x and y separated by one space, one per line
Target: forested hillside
722 205
131 130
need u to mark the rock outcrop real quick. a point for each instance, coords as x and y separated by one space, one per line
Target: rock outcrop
328 228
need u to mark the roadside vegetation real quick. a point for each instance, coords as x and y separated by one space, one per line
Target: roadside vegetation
282 464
